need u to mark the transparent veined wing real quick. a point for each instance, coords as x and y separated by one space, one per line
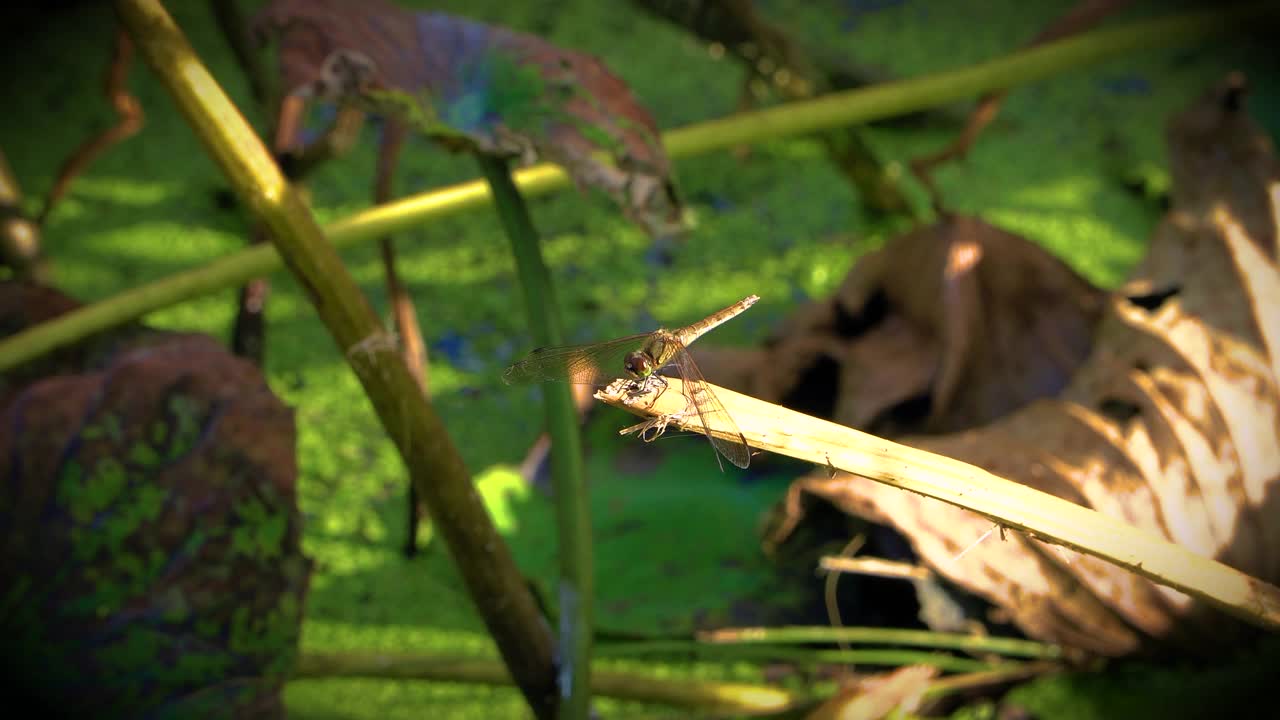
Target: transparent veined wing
711 412
589 364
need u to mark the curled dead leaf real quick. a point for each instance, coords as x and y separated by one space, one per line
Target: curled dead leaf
1172 423
978 322
481 88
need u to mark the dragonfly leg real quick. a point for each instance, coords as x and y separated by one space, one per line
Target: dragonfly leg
660 383
654 427
650 429
640 388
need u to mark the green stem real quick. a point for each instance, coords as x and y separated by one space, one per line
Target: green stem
700 696
799 655
1019 68
572 507
483 559
1003 675
824 113
1014 647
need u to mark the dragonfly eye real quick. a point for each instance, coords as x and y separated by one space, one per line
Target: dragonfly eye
637 364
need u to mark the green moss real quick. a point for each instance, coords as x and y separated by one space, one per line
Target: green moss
143 454
185 430
259 533
137 648
200 667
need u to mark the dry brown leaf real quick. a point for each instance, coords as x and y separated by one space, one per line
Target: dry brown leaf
1172 424
148 500
878 695
479 87
978 322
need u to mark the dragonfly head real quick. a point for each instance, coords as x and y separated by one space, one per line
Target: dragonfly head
639 365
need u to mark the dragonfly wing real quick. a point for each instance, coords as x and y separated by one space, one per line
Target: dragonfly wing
592 364
711 412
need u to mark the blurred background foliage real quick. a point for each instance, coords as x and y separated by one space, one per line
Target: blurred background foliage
1075 163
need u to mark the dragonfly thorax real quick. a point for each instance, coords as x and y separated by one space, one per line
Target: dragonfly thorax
639 364
641 357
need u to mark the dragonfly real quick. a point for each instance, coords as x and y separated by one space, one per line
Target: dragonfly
638 358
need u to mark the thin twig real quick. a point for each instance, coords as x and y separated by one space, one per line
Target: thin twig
129 119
